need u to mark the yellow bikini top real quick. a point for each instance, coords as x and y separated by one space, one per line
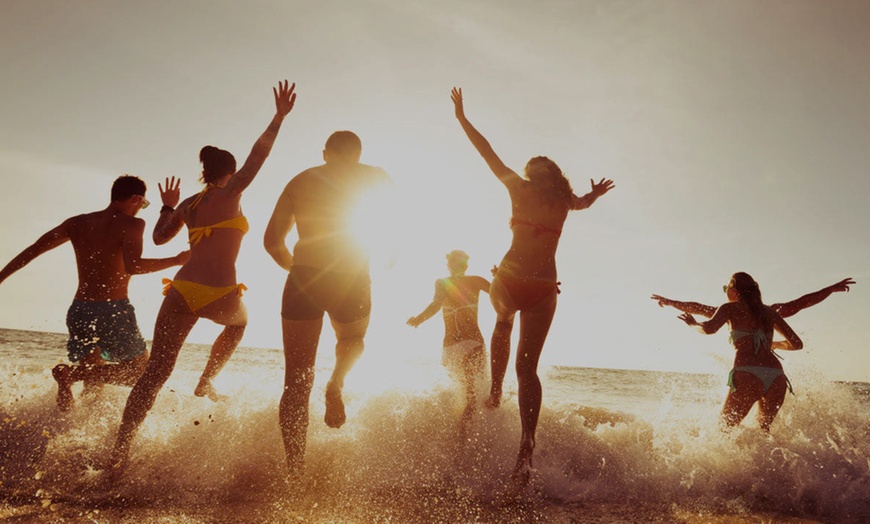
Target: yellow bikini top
195 234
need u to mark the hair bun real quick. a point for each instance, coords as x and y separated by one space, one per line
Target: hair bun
206 152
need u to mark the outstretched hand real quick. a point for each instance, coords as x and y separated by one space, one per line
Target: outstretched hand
662 300
601 187
414 321
285 97
843 285
688 319
456 96
171 192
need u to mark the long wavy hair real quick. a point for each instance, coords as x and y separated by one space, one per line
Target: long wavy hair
547 176
749 293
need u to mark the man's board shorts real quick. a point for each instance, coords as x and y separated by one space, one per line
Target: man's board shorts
108 325
309 292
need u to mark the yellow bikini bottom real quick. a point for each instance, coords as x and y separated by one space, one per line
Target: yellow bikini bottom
198 296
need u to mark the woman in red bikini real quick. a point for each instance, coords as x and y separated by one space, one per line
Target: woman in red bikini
206 286
525 281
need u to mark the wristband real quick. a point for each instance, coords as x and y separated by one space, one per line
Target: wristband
166 208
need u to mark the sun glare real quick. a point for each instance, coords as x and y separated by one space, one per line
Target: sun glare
372 223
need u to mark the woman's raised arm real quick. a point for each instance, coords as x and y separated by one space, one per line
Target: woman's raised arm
504 173
285 97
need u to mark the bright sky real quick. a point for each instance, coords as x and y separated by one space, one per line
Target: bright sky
737 132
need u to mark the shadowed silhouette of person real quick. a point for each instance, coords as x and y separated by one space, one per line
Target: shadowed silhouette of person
328 273
104 337
464 352
525 281
205 286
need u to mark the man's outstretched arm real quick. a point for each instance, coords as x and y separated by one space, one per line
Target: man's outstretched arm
134 264
46 242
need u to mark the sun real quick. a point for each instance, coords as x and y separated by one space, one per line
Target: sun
372 219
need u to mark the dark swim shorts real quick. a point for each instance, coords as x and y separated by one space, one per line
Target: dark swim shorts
110 326
309 292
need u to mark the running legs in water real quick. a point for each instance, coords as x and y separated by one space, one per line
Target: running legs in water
500 346
170 332
300 351
534 326
62 374
95 372
348 348
221 351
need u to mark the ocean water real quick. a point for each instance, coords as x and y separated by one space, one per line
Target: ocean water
613 446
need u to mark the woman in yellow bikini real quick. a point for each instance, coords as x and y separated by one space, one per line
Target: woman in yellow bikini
463 353
206 286
757 375
525 281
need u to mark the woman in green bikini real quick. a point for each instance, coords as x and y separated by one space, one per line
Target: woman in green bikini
757 375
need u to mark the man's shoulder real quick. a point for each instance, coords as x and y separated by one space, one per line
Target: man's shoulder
107 216
373 171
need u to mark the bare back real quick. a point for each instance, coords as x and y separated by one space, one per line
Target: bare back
213 257
460 295
536 228
99 240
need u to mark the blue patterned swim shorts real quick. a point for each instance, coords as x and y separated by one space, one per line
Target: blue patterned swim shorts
108 325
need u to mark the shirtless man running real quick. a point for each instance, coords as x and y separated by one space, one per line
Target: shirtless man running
104 338
328 272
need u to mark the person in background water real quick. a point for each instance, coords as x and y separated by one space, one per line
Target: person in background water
328 272
526 280
205 286
464 352
757 375
104 337
785 309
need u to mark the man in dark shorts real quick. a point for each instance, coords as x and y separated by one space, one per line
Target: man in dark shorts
328 273
104 338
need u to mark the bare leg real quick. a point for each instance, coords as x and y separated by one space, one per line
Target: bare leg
119 374
500 346
473 367
746 390
534 326
174 323
300 352
770 403
221 351
93 385
62 374
348 348
95 373
230 312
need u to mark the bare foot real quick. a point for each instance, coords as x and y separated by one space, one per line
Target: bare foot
335 415
206 389
63 375
523 469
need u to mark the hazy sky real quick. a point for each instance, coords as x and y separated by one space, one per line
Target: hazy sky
738 135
